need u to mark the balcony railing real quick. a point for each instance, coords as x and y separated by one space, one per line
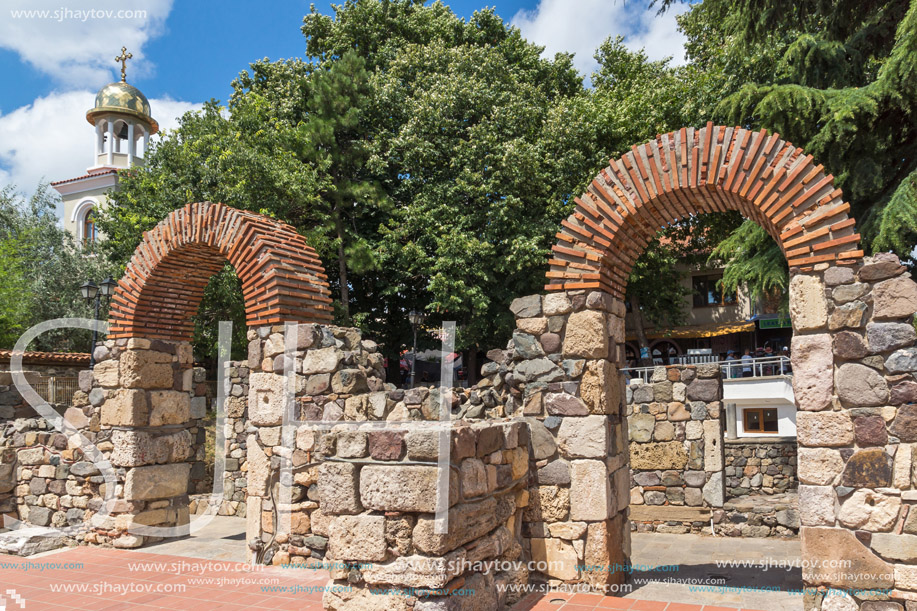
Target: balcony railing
759 367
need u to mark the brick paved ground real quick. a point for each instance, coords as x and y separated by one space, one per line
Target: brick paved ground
106 571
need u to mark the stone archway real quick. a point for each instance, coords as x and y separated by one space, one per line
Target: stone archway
713 169
143 378
282 277
854 354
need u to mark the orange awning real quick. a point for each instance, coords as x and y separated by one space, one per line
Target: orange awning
693 331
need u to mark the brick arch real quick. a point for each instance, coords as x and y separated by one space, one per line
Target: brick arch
690 171
282 276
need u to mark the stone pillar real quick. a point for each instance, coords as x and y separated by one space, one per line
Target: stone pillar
144 389
564 356
854 363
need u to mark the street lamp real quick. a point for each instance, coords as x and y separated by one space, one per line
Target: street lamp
415 318
94 293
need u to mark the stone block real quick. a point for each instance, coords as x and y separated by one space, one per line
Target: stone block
169 407
563 404
813 365
357 538
399 488
586 335
819 466
824 429
558 555
338 488
266 399
591 497
467 522
640 427
860 386
705 390
125 408
322 360
106 374
816 505
156 482
556 304
887 336
412 572
526 307
663 455
146 369
713 446
808 305
895 298
585 437
869 510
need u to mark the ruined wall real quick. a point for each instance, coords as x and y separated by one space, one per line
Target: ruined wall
675 430
379 489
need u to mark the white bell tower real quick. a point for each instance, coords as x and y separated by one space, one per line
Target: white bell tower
123 126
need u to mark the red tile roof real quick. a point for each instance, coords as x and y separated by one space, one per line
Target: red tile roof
63 182
68 358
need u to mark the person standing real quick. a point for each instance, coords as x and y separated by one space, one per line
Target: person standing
747 364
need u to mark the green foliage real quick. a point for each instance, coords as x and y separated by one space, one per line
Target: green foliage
754 262
41 270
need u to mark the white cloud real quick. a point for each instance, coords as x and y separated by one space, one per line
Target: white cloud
76 42
50 138
580 26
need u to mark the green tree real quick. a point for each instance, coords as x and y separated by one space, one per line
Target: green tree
334 139
838 79
427 158
41 270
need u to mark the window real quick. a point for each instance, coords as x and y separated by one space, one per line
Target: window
90 233
760 421
707 292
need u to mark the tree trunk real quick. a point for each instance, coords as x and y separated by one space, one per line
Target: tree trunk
642 342
342 264
471 366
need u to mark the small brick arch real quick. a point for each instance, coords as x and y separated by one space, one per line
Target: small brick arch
690 171
282 276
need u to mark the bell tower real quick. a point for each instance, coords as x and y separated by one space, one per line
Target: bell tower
123 126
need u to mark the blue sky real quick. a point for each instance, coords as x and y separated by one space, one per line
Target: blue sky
188 51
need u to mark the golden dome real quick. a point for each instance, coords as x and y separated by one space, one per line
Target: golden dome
121 98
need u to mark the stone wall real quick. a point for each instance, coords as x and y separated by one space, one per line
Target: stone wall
378 491
235 433
760 467
854 366
676 437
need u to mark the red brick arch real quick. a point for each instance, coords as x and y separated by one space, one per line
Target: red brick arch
282 277
712 169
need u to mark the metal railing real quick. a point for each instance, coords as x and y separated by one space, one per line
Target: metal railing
759 367
57 390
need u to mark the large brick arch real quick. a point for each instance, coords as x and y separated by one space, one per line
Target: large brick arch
712 169
282 277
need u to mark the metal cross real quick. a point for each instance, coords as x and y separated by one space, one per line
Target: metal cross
123 59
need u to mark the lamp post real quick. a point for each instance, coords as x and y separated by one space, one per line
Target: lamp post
415 318
94 293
